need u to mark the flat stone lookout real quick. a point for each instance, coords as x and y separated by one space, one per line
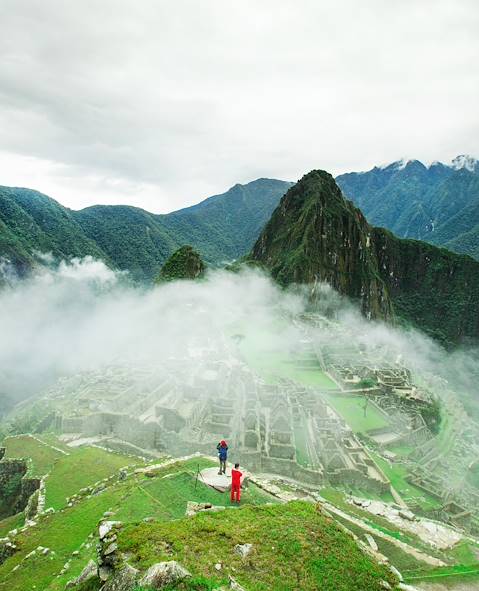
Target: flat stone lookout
220 482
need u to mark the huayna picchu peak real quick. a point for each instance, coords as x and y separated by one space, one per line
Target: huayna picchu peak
315 234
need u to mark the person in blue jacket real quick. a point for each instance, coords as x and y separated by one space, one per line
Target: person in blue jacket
222 448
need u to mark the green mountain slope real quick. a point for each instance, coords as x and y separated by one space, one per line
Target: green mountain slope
225 227
221 228
315 234
32 223
427 203
132 238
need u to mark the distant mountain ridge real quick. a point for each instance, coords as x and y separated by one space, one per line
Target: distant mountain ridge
221 228
315 234
438 203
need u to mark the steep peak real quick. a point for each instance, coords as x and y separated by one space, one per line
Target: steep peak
317 183
315 234
184 263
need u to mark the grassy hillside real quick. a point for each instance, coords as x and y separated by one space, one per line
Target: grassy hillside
294 547
68 530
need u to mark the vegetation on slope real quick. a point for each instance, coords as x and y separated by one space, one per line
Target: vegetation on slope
74 528
437 203
185 263
294 547
315 234
221 228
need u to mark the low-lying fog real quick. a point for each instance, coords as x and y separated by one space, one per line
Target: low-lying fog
80 315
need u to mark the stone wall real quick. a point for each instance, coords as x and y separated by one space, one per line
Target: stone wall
15 488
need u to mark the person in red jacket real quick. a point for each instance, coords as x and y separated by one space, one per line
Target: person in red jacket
236 484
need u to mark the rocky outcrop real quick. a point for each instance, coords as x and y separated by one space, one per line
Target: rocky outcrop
316 235
163 574
117 575
15 487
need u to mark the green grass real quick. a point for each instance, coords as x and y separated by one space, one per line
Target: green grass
12 522
295 547
83 467
448 575
63 532
351 408
261 354
42 457
398 557
397 474
401 450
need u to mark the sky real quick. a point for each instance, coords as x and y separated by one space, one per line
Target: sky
160 104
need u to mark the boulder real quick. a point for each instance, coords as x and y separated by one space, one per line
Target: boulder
89 572
406 514
125 579
193 508
235 586
162 574
106 527
243 549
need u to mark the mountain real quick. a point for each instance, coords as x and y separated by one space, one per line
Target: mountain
221 228
225 227
32 223
437 203
184 263
316 234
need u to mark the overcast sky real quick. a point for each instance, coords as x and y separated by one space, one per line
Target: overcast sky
161 103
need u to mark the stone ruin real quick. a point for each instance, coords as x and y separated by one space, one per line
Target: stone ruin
16 487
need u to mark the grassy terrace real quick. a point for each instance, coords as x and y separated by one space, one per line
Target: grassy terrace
351 408
83 467
42 457
163 497
294 547
397 474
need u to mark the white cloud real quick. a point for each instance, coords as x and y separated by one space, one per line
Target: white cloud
159 104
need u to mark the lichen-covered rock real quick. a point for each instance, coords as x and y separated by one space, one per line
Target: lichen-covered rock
234 585
124 579
243 549
106 527
162 574
192 508
89 572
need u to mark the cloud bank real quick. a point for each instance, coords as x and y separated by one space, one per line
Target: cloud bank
81 316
